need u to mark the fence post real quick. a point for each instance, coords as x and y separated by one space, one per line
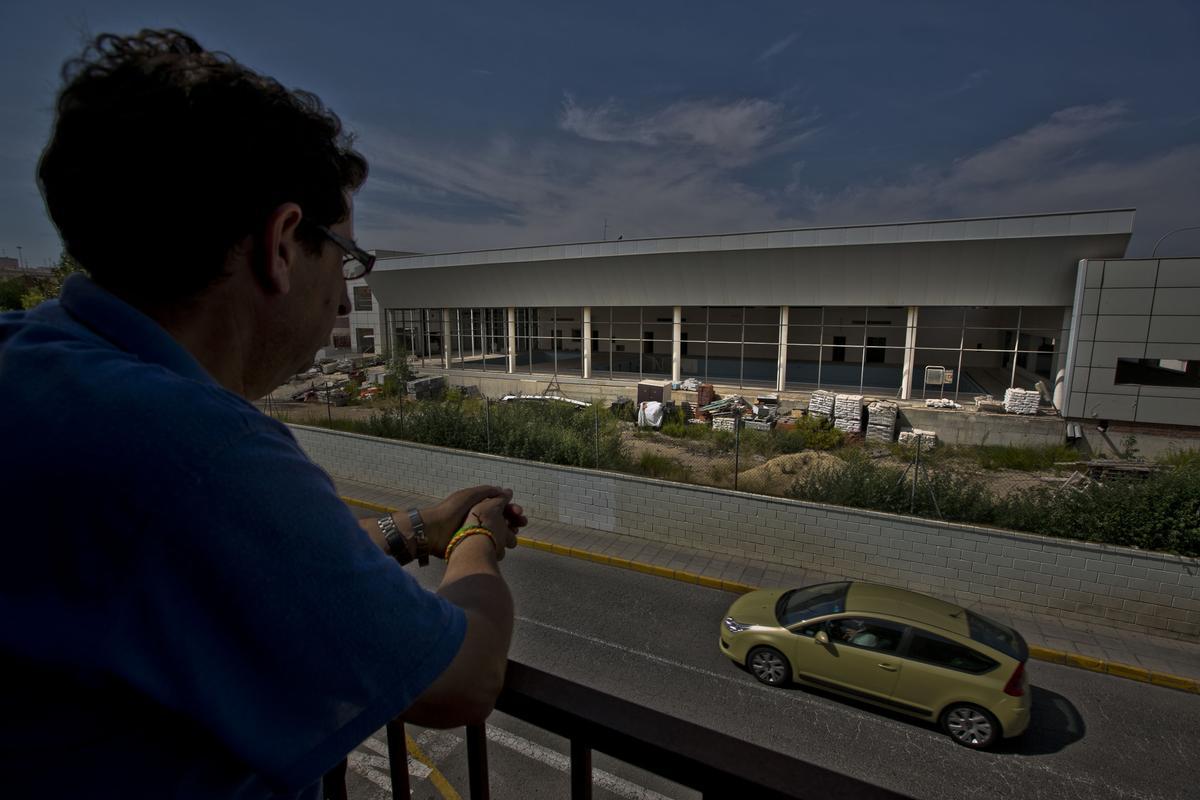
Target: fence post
402 394
737 448
597 435
487 421
912 500
329 402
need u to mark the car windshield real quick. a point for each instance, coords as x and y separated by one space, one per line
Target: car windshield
996 636
811 601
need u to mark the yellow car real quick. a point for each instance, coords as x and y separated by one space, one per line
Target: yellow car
892 647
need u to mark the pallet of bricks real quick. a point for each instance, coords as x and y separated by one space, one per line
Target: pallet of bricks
847 413
821 403
1020 401
927 439
881 421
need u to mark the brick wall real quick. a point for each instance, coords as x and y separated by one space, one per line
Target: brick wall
1148 592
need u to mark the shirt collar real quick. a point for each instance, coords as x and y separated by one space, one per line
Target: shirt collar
127 328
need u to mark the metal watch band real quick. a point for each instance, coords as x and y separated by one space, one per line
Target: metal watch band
395 541
422 544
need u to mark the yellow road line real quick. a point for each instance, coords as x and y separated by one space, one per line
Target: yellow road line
435 775
1039 653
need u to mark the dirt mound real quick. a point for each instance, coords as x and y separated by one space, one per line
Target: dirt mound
783 470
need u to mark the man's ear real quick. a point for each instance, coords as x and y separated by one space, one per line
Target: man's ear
281 249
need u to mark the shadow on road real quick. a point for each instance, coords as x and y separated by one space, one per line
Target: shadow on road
1056 725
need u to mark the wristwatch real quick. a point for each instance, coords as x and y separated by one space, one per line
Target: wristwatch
418 526
395 542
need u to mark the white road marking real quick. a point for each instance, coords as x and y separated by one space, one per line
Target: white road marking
605 780
437 744
358 763
415 768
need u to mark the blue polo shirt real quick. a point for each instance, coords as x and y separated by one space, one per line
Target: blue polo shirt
186 607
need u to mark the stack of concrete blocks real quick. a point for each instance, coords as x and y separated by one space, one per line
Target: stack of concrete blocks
847 413
821 403
1020 401
928 439
726 422
881 421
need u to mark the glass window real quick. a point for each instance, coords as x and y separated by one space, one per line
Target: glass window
934 649
996 636
811 601
871 634
362 298
1158 372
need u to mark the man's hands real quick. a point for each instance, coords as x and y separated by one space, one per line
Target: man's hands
489 506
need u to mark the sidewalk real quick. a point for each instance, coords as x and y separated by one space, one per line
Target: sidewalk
1165 662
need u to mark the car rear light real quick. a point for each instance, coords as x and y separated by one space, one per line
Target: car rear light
1014 686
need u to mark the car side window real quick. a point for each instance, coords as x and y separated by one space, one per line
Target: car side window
934 649
871 634
809 630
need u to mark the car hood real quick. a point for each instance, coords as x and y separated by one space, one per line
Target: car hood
757 608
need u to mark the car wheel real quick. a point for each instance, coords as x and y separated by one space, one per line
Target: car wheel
971 726
769 666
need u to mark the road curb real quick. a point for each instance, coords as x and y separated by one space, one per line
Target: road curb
1061 657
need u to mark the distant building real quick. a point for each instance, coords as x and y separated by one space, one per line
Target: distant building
1043 301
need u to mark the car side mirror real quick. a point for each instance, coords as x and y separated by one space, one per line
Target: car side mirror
822 637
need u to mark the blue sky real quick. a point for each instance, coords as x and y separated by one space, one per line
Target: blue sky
514 123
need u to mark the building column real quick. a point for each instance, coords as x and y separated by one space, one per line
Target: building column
445 338
676 343
587 341
781 362
910 353
512 339
1060 363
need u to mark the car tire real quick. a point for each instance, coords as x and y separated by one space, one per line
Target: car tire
970 726
769 666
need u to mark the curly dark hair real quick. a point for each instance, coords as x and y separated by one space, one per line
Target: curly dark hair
165 155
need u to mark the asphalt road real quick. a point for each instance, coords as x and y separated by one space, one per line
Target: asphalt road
654 641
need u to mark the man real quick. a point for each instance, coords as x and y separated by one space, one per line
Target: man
188 608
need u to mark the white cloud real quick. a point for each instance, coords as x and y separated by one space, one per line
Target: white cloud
634 172
777 48
736 127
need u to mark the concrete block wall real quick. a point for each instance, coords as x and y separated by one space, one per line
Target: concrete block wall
1147 592
1135 308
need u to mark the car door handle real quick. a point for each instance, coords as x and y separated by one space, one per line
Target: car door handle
888 667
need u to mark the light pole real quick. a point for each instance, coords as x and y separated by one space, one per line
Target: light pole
20 257
1156 244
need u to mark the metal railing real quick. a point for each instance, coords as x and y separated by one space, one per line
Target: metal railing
713 763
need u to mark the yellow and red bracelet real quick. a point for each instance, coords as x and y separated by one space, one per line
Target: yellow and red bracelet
463 533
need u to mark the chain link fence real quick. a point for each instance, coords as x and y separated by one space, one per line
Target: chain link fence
1052 490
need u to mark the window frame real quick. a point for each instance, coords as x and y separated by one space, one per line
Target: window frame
915 631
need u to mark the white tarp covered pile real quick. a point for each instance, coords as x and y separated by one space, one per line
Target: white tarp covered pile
821 403
650 414
941 402
847 413
881 421
927 438
1020 401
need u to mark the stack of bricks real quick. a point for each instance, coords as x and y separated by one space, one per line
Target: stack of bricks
847 413
1020 401
881 421
821 403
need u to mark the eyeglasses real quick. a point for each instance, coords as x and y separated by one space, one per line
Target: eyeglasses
356 262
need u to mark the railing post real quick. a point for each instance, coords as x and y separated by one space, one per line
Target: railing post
398 759
581 771
477 766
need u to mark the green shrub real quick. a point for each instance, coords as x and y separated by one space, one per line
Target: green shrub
1181 458
653 465
1028 459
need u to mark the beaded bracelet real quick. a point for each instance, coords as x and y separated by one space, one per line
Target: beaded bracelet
463 533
